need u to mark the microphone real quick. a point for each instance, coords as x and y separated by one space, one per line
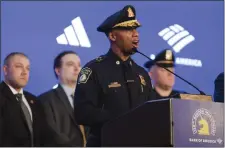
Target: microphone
201 92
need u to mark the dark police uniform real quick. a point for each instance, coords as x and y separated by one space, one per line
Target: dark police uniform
219 88
173 94
109 87
165 59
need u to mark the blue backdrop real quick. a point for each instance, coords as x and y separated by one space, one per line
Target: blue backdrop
32 28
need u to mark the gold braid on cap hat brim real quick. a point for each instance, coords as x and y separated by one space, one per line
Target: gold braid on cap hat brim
131 23
164 62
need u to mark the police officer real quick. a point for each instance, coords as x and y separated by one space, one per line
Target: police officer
162 80
219 88
112 84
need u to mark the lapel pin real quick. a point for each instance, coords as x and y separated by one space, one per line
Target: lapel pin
31 101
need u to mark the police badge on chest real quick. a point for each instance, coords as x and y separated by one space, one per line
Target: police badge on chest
143 83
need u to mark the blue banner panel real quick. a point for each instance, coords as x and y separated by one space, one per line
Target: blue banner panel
194 30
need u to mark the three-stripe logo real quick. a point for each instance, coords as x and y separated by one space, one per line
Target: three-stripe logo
176 36
74 35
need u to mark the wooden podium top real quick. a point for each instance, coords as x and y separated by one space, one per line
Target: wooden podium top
196 97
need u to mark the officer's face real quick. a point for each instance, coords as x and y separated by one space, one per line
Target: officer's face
17 71
126 39
162 77
70 68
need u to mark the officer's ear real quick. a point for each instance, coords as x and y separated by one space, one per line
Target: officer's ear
57 71
5 70
112 36
151 72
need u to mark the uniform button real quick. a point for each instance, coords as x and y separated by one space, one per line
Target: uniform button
117 62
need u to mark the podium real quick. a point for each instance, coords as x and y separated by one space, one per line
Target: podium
168 122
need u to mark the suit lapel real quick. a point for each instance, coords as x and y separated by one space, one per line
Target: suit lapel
63 97
14 103
8 93
30 101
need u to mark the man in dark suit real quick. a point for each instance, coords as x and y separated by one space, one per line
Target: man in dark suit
162 80
20 114
1 119
58 103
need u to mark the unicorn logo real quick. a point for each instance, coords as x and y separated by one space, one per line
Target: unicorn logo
203 123
204 130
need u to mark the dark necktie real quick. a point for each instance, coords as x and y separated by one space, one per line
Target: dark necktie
26 114
72 96
130 80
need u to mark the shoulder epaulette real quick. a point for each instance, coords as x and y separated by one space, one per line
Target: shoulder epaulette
96 60
100 58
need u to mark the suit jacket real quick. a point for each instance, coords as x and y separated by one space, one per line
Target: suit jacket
60 117
1 119
14 131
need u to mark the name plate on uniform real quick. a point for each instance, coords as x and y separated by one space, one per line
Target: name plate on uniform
197 123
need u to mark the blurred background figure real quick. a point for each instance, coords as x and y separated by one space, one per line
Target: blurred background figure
162 80
219 88
59 105
22 118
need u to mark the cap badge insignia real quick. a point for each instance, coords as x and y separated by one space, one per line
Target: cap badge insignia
130 12
168 55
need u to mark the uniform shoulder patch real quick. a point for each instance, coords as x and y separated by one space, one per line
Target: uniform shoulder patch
84 75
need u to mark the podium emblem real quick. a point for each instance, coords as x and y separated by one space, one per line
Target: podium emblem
203 123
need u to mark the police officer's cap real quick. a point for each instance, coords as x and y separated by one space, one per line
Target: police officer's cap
123 19
165 59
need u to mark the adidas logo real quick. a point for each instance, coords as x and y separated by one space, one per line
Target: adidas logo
176 36
74 35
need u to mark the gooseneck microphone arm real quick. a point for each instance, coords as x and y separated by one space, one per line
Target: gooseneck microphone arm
201 92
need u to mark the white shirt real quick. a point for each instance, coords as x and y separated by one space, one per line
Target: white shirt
69 91
23 99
